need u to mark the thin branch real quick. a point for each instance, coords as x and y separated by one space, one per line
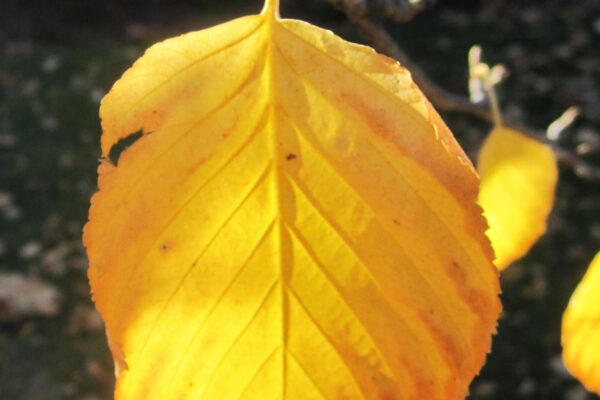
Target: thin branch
361 15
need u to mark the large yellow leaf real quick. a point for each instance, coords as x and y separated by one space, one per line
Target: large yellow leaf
581 329
518 178
296 223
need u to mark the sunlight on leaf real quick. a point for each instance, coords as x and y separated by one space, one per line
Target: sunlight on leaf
296 222
518 179
581 329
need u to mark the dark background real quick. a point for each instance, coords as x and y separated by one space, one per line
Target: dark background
57 60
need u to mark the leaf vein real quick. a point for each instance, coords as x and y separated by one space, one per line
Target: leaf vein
310 378
399 174
260 179
248 384
239 336
196 62
198 191
177 52
327 338
331 281
412 114
152 164
186 353
365 267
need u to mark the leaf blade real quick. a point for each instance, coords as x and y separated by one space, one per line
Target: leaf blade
518 179
231 256
581 329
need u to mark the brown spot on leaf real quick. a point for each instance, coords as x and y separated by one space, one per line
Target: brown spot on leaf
387 396
290 156
457 272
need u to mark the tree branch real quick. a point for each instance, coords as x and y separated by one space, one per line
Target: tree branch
360 13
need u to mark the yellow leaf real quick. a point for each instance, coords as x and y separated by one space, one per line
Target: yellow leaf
518 178
581 329
296 222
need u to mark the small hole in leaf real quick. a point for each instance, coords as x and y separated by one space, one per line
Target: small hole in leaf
122 145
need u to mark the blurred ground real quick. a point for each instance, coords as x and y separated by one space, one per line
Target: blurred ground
58 58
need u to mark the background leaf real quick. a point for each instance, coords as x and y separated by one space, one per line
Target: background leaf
581 329
518 179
